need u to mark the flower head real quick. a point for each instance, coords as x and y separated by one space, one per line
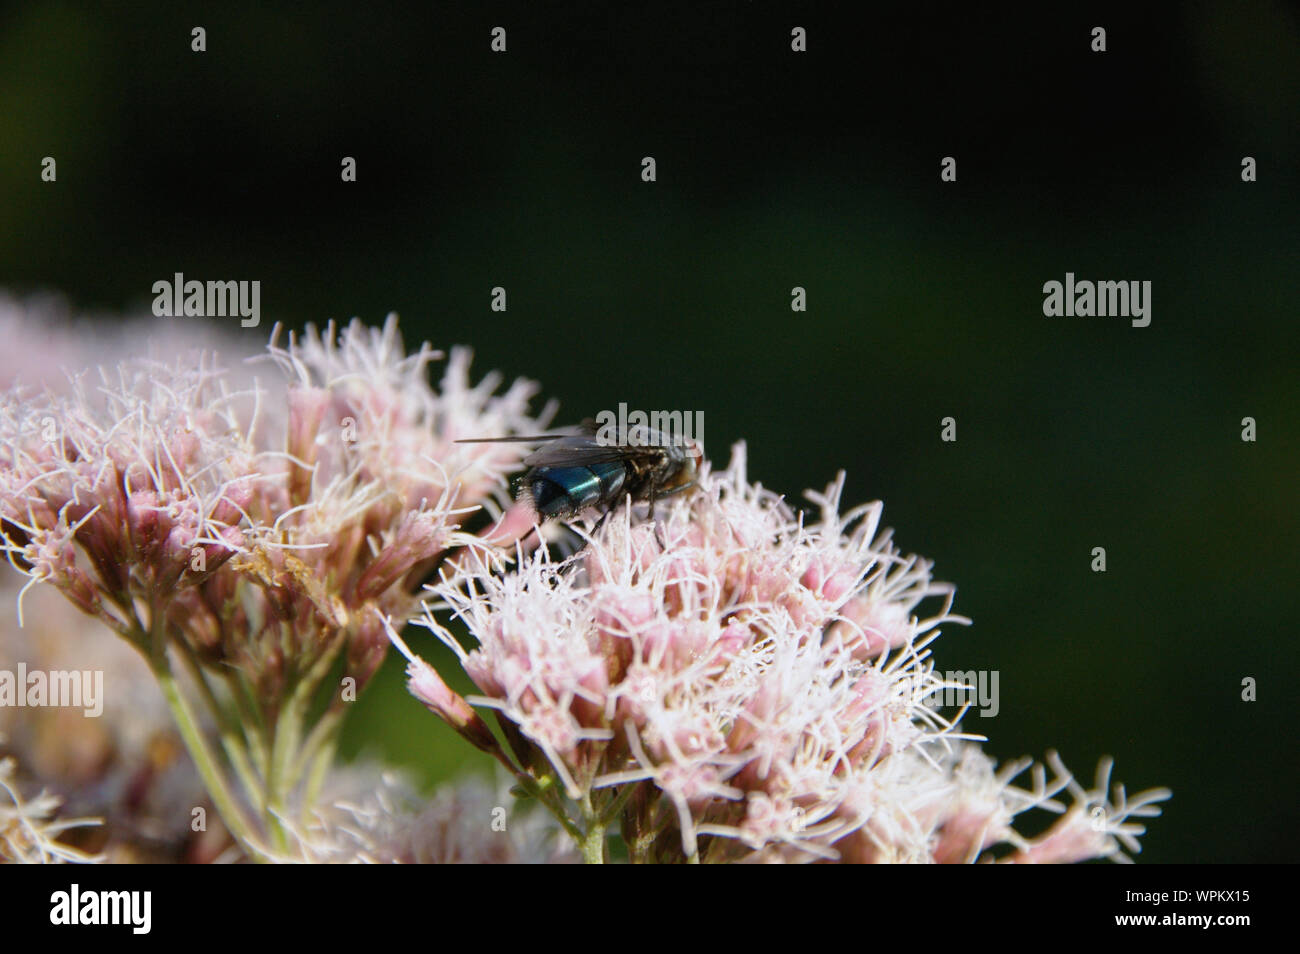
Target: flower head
260 534
755 688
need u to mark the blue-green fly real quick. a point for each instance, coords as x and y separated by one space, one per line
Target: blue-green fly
579 471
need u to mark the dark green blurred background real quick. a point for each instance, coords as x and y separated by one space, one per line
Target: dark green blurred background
778 169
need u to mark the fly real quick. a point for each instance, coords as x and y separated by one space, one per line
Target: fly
576 472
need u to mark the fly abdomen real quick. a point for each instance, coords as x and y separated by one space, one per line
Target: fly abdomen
559 491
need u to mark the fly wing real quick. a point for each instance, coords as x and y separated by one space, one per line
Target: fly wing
579 449
586 428
513 439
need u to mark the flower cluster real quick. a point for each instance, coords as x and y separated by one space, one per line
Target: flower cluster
734 681
256 535
742 683
128 766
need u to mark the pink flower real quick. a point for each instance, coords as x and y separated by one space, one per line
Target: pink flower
258 534
755 689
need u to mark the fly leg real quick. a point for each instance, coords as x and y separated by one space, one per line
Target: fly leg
678 490
659 537
654 495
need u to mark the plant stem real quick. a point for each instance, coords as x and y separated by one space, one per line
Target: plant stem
206 762
322 736
250 716
288 729
547 793
232 738
617 803
289 759
322 760
152 642
592 843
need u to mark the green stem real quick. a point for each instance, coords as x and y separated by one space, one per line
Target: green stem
206 762
592 842
649 826
546 791
322 736
616 805
319 768
287 759
250 715
288 728
593 845
232 739
320 746
153 643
